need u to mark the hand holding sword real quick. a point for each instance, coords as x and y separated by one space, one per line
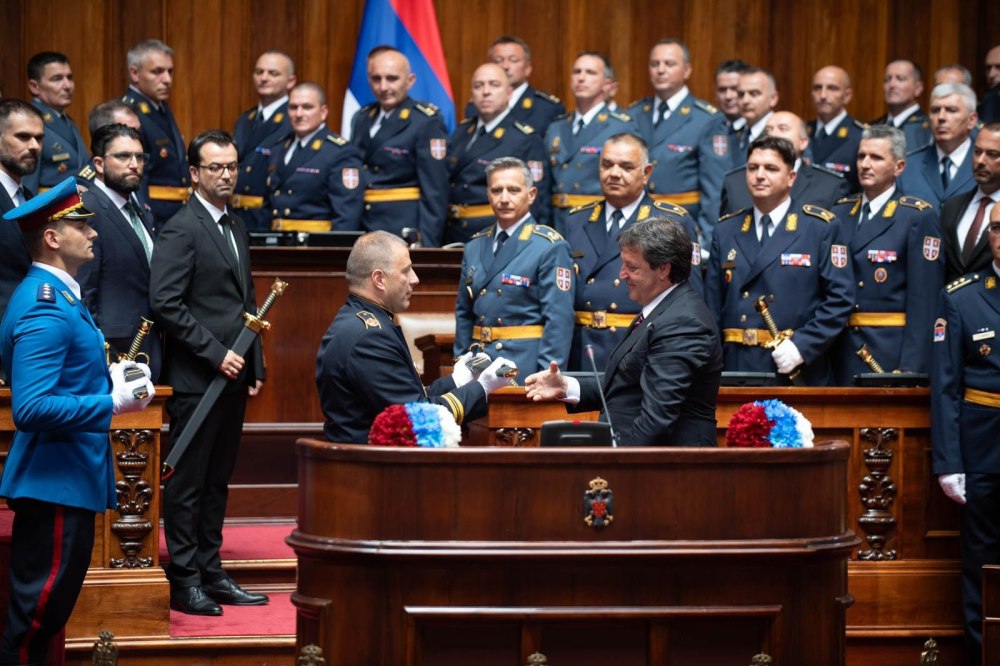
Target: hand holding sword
786 356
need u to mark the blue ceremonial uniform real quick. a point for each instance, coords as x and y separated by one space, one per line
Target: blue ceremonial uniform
406 161
467 170
363 366
63 150
323 181
898 261
690 153
603 309
991 106
916 128
922 176
965 419
256 139
528 283
813 184
166 173
575 160
840 151
534 108
805 276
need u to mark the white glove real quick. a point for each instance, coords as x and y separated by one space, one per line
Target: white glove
489 379
786 356
123 392
460 371
953 486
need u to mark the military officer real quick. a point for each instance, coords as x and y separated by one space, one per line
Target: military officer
835 134
403 145
603 309
491 133
903 86
758 95
516 290
112 112
574 141
894 244
529 106
50 80
727 96
784 252
258 132
315 180
151 75
965 419
990 111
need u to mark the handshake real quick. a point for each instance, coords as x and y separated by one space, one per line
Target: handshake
477 366
131 389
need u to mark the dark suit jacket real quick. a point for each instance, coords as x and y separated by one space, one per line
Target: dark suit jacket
198 297
991 106
662 380
813 184
951 213
15 260
115 284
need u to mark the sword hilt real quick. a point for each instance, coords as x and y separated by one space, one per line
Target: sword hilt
865 355
256 322
145 325
777 336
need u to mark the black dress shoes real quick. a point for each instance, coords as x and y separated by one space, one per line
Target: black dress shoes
193 601
226 591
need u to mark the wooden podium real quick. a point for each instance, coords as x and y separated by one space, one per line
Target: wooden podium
485 555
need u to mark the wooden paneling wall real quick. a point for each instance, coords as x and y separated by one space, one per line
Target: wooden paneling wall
217 41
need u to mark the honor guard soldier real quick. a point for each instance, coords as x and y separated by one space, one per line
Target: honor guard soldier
64 152
112 112
574 141
758 94
835 134
688 138
151 75
403 145
315 177
258 133
813 184
903 86
894 244
528 106
491 133
516 291
604 311
965 419
784 253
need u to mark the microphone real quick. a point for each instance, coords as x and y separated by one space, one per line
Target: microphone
600 390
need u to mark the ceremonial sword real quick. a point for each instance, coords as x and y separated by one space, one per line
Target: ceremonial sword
777 337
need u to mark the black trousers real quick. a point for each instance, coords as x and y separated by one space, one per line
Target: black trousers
50 552
980 540
194 498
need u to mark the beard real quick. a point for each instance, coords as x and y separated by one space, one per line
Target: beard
19 167
121 184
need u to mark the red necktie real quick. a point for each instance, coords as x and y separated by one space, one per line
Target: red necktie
972 237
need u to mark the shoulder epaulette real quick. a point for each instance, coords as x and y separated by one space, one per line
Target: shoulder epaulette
736 169
527 129
546 232
488 231
669 207
585 206
851 199
734 213
87 172
920 149
370 320
624 117
337 140
466 121
827 170
562 116
705 106
638 102
545 95
251 113
914 202
859 124
46 293
963 281
426 109
817 211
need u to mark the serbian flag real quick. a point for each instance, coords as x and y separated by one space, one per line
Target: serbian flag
411 27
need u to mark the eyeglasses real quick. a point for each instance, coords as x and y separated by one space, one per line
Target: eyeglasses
127 157
216 169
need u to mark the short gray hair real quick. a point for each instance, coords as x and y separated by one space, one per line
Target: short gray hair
634 139
313 86
661 241
896 137
965 92
504 163
137 54
371 252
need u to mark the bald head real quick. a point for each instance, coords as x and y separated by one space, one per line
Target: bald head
491 91
787 125
831 92
389 76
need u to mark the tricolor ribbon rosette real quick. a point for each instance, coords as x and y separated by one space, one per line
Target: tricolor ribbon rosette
769 423
415 424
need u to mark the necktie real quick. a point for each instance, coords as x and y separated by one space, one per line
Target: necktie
637 322
140 230
501 239
18 197
616 223
866 211
579 126
945 172
972 237
765 233
663 113
377 125
480 132
227 232
258 120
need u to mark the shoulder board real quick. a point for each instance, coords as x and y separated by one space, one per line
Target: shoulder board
668 207
46 293
852 199
368 107
859 124
817 211
963 281
741 211
827 170
338 140
370 320
914 202
251 113
488 231
527 129
562 116
624 117
705 106
917 151
545 95
87 172
737 169
467 121
638 102
546 232
585 206
426 109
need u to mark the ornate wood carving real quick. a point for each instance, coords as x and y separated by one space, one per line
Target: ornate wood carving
929 656
311 655
538 659
134 496
878 493
105 651
515 437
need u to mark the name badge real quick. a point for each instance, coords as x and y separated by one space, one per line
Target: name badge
985 335
61 157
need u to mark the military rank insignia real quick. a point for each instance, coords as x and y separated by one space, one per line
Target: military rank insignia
350 177
991 283
598 504
317 144
932 248
404 114
564 278
439 149
842 133
939 329
838 254
526 103
45 293
278 117
369 319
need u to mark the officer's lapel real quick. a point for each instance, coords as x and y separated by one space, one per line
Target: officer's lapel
747 247
508 251
678 117
596 231
963 177
589 131
990 296
644 120
931 170
393 125
212 230
778 243
874 227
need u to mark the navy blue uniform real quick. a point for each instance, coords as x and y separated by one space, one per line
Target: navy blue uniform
991 106
323 181
575 160
922 176
535 108
166 172
363 366
916 128
690 153
469 211
14 256
63 150
813 184
805 276
406 175
965 419
529 283
603 309
840 151
256 139
898 261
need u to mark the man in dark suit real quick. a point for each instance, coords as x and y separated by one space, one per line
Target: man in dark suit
111 112
990 112
903 86
963 217
258 132
943 169
200 286
813 184
835 134
662 380
115 284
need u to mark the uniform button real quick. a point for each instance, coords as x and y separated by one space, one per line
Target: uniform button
771 298
654 162
465 187
499 292
375 169
499 346
576 186
587 305
365 167
368 206
289 192
564 166
613 306
613 329
453 183
616 282
275 212
499 320
590 280
861 283
746 294
482 292
857 307
743 318
277 193
246 189
288 212
249 168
